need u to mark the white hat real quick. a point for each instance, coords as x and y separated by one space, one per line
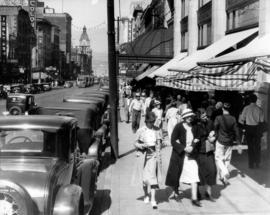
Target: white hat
137 94
186 113
157 102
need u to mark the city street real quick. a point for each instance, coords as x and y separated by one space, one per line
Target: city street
120 187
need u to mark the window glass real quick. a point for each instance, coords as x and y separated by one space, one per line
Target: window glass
204 34
245 16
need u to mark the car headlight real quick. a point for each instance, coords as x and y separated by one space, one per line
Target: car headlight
14 199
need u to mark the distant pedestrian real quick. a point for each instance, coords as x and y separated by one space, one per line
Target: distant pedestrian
183 165
147 142
227 132
159 114
127 102
252 118
136 108
172 117
178 100
206 159
148 101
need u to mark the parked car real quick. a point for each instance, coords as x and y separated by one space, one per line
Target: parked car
17 104
87 123
30 89
39 87
46 86
68 84
40 170
17 88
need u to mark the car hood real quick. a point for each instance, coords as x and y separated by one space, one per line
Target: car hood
36 176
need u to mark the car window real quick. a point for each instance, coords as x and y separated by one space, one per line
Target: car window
28 141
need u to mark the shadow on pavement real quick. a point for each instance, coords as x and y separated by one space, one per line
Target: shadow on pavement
106 161
127 153
102 202
260 175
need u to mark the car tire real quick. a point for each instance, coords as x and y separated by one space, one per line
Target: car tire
15 111
19 199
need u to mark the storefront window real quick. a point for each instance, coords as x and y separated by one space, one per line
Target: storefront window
203 2
184 40
204 35
248 15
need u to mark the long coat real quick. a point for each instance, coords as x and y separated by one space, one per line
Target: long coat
178 141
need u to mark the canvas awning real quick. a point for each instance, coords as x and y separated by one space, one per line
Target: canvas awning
163 70
213 50
236 77
257 48
146 73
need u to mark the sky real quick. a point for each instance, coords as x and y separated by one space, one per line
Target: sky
92 14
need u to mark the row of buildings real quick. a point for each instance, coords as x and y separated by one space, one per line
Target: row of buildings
201 46
36 43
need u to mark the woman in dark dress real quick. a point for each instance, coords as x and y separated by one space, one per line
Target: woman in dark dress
206 159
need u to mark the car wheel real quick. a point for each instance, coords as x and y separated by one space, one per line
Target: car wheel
15 111
14 199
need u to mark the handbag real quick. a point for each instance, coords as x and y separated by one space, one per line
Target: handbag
209 146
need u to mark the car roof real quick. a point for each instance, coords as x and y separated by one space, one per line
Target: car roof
19 95
35 121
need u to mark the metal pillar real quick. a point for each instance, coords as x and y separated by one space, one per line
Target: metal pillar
112 77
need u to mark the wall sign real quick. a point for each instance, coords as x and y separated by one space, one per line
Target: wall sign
4 39
32 12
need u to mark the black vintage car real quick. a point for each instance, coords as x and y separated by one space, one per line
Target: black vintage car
87 124
17 88
41 170
17 104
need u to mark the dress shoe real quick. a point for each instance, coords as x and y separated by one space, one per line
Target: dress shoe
196 203
199 196
209 197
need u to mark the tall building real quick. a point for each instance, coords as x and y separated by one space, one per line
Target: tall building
17 39
63 21
85 53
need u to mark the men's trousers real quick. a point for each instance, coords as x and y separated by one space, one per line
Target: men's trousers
223 155
254 146
136 118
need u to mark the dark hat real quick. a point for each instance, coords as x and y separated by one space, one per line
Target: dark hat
150 117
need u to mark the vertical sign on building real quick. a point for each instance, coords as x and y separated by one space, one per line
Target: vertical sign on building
3 39
32 12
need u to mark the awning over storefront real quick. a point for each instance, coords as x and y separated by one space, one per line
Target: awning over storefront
237 77
163 70
143 67
213 50
146 73
256 48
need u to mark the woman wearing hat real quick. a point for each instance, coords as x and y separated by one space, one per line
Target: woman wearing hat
147 142
206 159
183 162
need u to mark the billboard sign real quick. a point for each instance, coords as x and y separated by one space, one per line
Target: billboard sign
32 12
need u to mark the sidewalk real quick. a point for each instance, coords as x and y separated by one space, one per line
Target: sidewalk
120 187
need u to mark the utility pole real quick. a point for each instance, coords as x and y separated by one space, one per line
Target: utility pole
112 78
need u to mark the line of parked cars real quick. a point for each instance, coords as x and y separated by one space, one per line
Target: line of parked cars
50 159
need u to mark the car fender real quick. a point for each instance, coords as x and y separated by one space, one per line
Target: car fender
69 201
94 149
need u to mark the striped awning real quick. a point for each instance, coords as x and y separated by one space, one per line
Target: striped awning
238 77
146 73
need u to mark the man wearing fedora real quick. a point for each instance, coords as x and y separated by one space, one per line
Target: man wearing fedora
227 132
135 108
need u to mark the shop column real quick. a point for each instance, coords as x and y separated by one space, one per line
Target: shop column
218 19
192 26
177 28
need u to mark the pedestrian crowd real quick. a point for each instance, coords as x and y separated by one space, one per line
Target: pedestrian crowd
202 140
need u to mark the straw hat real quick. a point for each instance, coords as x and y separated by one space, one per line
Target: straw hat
137 94
187 113
157 102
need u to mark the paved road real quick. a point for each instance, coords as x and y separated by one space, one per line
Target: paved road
52 97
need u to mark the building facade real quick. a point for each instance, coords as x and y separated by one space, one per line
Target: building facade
17 40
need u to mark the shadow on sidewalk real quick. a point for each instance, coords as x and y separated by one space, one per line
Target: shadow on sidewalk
102 202
106 161
260 175
127 153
